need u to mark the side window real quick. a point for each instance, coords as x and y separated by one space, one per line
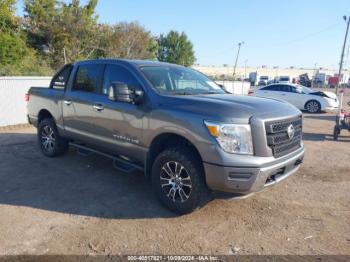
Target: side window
285 88
271 88
88 78
115 73
59 81
293 89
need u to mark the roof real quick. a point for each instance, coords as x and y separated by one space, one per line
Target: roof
135 62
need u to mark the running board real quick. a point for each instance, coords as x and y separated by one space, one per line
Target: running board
118 162
84 152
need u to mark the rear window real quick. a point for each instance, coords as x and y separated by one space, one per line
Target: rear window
271 88
59 81
286 78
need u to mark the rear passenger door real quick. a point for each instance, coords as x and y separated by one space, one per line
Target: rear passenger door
81 102
283 93
271 91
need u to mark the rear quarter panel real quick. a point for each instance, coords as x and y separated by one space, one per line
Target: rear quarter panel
46 99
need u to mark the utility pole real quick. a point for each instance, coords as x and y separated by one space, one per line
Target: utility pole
314 76
245 75
239 48
342 53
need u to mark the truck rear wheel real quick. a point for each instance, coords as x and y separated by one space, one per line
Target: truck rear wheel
178 180
51 143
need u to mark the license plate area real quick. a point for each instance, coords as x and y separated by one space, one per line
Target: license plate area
275 175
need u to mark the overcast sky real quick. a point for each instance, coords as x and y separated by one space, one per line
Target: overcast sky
276 32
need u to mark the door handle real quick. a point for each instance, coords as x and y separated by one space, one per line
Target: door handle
98 107
68 102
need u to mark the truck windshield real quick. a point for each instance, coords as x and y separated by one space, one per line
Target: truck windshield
180 81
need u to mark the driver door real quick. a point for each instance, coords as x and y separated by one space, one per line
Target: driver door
296 97
119 125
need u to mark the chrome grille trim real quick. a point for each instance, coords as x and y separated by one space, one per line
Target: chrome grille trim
278 139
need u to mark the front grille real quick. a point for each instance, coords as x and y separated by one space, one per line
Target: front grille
277 136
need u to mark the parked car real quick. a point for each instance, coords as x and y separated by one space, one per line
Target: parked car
185 133
320 80
263 80
332 81
283 79
302 97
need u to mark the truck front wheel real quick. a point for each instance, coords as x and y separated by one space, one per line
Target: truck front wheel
178 180
50 142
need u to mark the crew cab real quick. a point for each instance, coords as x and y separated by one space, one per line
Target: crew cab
186 134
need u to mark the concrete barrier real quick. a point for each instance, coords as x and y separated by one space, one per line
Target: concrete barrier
13 109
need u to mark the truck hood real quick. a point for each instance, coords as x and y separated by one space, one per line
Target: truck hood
227 107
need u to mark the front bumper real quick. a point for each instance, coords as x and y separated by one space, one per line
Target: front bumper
247 180
32 120
331 108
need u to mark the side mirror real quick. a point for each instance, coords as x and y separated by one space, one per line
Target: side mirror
120 92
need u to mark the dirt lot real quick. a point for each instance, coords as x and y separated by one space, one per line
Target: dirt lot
82 205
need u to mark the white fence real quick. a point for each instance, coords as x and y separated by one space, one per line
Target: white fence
13 109
235 87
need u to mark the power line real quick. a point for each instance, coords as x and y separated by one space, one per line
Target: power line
299 39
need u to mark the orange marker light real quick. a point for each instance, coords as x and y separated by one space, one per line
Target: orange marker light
213 129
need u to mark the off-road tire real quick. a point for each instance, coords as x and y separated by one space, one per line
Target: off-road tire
58 146
192 166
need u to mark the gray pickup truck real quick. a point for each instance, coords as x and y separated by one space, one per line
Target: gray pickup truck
186 134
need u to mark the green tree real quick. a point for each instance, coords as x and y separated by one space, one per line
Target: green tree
176 48
40 17
15 56
8 21
12 46
29 65
56 26
127 40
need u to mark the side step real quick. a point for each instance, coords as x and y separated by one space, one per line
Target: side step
84 152
118 162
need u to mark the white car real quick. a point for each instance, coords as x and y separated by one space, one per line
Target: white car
263 80
302 97
283 79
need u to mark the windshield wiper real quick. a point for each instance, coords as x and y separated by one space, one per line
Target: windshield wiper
180 93
209 93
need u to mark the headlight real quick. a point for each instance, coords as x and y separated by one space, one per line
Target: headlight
232 138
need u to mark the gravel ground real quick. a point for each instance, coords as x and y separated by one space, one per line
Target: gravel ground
82 205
